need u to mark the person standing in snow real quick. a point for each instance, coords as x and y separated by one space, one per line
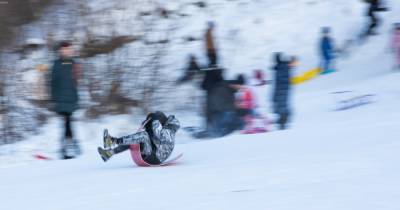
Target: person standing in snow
64 94
211 78
157 140
282 89
327 51
192 69
395 44
373 8
224 119
210 45
221 115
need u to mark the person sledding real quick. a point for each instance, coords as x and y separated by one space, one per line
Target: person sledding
374 6
156 139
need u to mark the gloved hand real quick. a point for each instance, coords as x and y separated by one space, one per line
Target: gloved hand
172 123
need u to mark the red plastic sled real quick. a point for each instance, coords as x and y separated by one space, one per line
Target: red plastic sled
137 158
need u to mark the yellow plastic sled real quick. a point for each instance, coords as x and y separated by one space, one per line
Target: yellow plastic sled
305 76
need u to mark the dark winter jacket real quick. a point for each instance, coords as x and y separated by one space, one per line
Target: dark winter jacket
211 78
375 6
222 98
193 68
282 86
190 72
64 91
223 110
327 50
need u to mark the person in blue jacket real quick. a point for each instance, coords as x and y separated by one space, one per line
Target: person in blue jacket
327 51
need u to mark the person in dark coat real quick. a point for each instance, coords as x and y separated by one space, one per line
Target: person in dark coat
282 90
373 8
223 110
211 78
210 45
327 51
221 116
64 93
192 69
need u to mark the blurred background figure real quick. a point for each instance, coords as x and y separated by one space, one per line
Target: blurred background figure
373 7
259 78
282 89
327 50
211 78
224 119
220 110
42 92
395 45
246 105
244 100
191 70
210 45
64 95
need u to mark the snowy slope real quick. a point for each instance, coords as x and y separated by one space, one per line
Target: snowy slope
328 160
331 160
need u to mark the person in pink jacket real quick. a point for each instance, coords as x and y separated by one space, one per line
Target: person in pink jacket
246 105
395 44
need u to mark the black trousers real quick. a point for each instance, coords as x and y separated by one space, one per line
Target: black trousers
67 124
212 58
374 22
283 120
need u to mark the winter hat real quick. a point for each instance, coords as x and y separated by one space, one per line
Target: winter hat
64 44
241 79
326 30
148 123
211 24
160 116
278 57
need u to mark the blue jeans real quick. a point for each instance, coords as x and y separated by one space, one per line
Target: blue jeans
224 123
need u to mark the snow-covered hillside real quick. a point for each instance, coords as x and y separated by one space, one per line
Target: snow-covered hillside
328 160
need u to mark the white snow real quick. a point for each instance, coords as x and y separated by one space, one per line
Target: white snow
327 161
35 41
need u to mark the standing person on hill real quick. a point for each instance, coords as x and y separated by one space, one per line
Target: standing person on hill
221 116
224 119
374 7
191 70
210 45
395 45
327 51
64 95
282 89
211 78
